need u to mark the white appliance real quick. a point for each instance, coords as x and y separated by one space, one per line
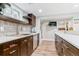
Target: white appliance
35 41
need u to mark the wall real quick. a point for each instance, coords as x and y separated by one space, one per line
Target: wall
74 23
9 28
61 17
47 31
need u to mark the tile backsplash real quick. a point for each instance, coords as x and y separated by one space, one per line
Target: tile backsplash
24 29
8 28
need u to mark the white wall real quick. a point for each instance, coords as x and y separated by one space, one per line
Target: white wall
60 16
48 32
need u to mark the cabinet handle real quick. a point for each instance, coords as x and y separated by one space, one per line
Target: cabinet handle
25 40
12 51
13 45
6 49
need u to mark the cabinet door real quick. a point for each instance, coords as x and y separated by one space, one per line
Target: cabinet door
30 45
24 47
35 41
5 49
66 51
32 20
58 43
69 50
14 49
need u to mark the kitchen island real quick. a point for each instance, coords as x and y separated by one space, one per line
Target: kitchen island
67 44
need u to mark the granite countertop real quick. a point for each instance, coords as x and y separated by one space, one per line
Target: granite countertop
71 38
4 39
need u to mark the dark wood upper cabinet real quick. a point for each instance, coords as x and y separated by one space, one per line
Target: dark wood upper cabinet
31 19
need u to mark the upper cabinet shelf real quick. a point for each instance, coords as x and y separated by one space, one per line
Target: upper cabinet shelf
27 17
31 20
9 19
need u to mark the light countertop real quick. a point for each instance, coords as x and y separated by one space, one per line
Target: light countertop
71 38
4 39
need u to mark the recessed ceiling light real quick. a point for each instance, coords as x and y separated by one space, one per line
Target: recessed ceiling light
76 5
40 10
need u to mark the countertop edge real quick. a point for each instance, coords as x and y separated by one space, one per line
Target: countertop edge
5 39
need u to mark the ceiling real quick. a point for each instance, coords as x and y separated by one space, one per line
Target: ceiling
49 9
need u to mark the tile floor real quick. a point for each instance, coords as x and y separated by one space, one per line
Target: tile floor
46 48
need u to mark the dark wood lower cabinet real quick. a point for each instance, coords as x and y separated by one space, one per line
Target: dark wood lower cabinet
69 49
19 47
64 48
30 45
24 47
9 48
58 45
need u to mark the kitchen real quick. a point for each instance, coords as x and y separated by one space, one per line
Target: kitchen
29 30
16 36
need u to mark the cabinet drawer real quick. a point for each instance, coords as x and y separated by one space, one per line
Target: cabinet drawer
6 53
5 46
13 49
9 48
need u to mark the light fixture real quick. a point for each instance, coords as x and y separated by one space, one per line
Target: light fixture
76 5
40 10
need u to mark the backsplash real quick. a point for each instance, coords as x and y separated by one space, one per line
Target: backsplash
8 28
24 29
